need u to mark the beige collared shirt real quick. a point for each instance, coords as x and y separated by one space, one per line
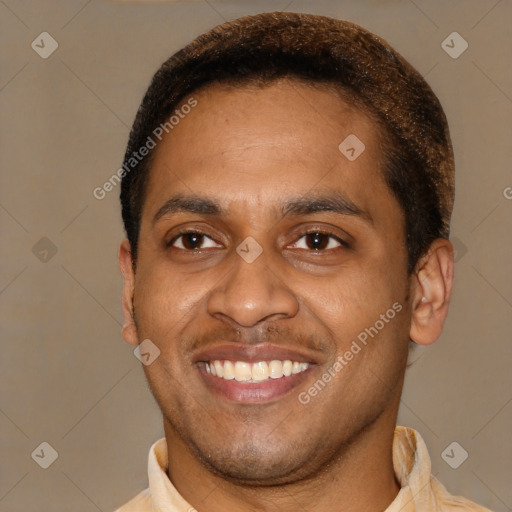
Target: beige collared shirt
420 491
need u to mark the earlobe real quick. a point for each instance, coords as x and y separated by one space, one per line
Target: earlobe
432 292
129 330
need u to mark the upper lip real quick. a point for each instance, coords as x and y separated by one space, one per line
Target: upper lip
252 353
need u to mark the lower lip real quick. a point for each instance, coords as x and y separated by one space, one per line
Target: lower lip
253 392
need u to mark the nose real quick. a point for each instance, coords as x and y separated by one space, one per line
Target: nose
251 293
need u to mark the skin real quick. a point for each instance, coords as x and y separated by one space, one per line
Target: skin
251 149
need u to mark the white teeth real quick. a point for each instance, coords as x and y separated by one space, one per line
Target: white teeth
254 372
260 371
296 367
229 370
276 369
219 369
243 371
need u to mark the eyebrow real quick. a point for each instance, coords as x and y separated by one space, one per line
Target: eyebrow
295 206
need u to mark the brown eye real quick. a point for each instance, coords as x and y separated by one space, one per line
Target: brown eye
191 240
318 241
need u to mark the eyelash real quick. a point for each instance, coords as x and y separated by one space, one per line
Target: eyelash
342 242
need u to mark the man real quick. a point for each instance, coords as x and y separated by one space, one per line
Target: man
287 192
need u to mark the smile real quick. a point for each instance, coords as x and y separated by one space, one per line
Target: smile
243 371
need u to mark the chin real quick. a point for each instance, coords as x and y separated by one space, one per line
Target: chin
253 462
254 467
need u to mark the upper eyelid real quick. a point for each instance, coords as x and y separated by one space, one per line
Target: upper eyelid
186 232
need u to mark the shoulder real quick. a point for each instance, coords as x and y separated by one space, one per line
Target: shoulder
449 503
412 465
140 503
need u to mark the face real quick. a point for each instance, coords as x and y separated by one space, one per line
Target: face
293 254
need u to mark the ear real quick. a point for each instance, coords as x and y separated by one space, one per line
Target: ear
432 290
129 330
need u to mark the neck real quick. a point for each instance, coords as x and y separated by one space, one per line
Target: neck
360 478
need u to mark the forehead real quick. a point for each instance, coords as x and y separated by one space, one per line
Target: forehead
251 145
286 111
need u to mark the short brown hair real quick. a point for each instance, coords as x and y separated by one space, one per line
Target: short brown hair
259 49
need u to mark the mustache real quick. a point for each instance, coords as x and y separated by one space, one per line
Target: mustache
283 336
277 335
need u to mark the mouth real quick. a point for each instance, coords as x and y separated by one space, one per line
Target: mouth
253 374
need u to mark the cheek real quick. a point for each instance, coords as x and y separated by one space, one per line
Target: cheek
166 301
354 298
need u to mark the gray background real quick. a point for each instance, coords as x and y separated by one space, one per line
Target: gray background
68 378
